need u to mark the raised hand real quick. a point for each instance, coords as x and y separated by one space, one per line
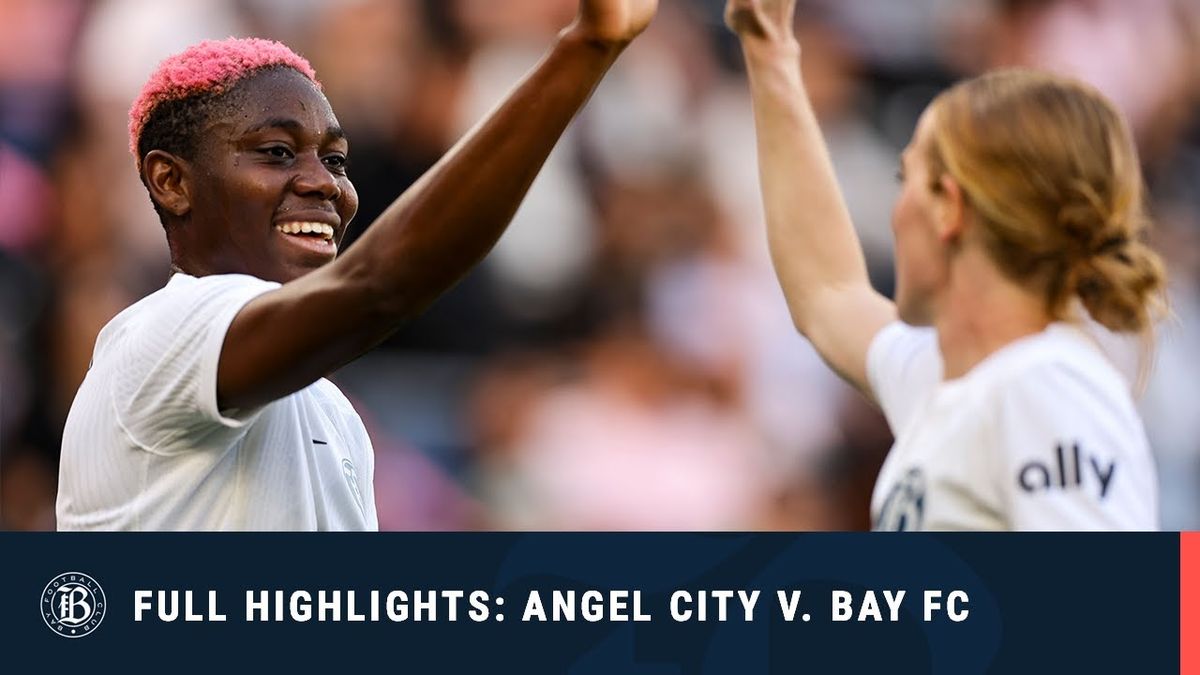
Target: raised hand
813 244
615 22
770 20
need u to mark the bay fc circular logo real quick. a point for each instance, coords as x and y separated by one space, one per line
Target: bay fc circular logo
73 604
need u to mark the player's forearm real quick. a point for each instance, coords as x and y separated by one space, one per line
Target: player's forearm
812 240
449 220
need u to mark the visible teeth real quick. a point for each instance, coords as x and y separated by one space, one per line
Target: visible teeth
325 231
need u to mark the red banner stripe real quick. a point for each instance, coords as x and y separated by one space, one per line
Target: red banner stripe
1189 603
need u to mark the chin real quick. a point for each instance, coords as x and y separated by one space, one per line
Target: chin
294 272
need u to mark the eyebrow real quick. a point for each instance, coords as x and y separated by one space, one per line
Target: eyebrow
295 126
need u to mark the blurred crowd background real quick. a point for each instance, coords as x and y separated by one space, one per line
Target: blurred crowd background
624 360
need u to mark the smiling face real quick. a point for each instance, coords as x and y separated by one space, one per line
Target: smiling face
266 193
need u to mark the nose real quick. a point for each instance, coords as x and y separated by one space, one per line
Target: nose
314 179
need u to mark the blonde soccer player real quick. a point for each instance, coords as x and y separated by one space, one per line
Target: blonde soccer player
1021 217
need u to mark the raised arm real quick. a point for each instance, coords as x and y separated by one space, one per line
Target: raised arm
433 234
815 250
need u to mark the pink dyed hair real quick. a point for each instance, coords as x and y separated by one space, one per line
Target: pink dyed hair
212 66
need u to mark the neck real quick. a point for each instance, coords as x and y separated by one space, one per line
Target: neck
185 265
196 258
981 312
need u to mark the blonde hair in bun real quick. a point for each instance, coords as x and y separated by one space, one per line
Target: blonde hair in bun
1050 168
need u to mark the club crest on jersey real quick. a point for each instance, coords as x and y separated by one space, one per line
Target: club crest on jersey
904 508
1069 469
73 605
352 480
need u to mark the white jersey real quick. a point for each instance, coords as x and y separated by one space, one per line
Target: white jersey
1041 435
145 447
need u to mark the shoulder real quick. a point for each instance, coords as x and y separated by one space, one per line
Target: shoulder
183 287
1071 445
1065 371
181 299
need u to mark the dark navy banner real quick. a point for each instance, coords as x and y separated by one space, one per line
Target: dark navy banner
591 603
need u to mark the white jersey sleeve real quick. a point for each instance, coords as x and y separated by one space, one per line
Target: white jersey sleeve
1074 453
903 367
164 385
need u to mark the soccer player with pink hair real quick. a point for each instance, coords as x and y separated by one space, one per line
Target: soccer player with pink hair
205 407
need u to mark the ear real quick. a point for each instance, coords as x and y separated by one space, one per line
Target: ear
951 210
167 177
